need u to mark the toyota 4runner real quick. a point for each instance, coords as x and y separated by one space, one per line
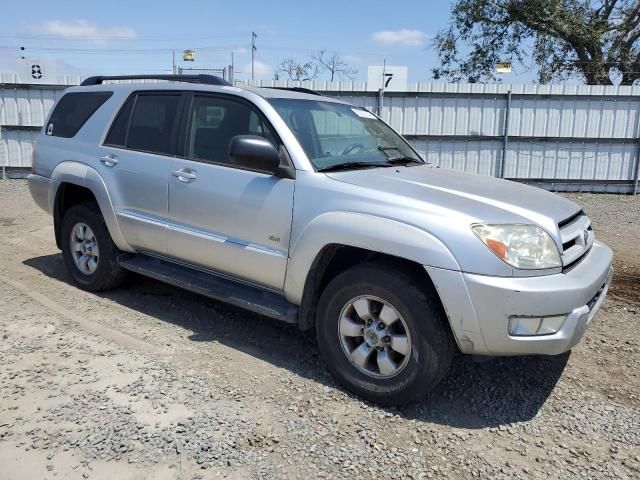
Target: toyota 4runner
313 211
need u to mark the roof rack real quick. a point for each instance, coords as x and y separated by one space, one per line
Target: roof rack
297 89
204 79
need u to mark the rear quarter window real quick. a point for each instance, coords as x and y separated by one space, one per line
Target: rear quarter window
117 136
72 112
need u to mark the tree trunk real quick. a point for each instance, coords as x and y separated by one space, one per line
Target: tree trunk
597 74
630 72
629 78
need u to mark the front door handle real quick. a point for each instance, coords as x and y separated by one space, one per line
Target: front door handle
185 175
109 160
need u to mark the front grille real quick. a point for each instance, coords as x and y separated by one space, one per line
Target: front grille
577 238
570 219
568 245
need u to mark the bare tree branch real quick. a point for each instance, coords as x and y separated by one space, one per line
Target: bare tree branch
334 65
295 70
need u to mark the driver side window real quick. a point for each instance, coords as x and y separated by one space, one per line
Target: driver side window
214 121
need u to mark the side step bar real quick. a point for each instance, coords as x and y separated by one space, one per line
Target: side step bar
213 286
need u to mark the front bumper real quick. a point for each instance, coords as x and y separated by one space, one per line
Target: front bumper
480 306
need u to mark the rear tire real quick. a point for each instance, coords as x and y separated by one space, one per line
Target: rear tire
88 251
392 361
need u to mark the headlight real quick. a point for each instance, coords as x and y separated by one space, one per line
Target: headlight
526 247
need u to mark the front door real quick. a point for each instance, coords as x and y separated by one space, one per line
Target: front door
224 218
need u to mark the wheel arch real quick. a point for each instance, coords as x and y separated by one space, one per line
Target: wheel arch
334 259
336 241
77 183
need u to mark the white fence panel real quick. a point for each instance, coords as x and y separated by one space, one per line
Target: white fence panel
16 147
587 135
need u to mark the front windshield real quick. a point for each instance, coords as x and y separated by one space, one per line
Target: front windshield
334 134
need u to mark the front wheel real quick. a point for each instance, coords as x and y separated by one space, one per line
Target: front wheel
383 336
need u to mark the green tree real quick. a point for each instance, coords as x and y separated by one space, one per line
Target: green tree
598 41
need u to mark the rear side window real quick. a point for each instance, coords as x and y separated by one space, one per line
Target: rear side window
72 112
147 122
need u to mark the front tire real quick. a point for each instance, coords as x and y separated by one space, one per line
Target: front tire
88 251
383 336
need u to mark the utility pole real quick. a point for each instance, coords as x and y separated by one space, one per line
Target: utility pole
173 62
253 53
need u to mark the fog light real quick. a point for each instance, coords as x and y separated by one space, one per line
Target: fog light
529 326
551 325
521 326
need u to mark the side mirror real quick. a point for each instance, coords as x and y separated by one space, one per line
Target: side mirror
254 152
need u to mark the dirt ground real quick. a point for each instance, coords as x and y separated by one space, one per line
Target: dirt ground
148 381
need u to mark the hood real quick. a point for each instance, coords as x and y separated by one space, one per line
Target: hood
486 199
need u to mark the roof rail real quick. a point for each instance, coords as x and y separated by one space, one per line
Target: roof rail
297 89
204 79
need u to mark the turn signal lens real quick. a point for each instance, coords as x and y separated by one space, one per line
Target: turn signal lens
497 247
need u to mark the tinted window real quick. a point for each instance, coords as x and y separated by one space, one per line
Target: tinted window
118 133
152 127
72 111
214 121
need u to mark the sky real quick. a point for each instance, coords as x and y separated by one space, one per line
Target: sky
138 36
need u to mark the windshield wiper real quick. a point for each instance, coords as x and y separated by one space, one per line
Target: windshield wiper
353 165
398 159
404 161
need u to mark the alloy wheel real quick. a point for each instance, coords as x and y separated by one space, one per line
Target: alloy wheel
374 336
84 248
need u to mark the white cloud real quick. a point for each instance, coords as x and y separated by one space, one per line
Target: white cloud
84 29
404 37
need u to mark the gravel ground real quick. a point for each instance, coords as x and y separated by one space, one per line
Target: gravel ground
152 382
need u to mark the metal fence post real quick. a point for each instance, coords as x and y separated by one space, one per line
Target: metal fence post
4 161
503 159
635 179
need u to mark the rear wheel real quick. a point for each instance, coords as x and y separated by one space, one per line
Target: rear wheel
383 336
89 254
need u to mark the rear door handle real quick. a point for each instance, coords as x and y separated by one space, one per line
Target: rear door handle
109 160
185 175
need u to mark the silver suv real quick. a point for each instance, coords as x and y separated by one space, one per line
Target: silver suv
315 212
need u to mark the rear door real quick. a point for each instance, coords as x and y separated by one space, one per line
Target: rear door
222 217
135 162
